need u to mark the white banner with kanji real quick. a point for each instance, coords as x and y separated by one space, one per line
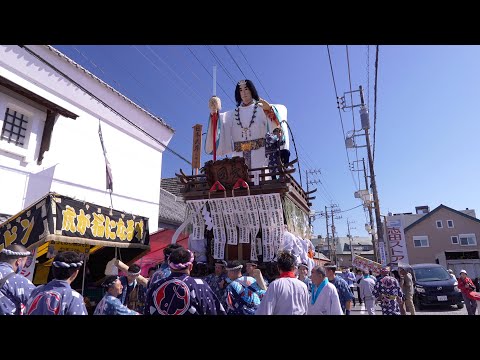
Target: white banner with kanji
396 242
365 264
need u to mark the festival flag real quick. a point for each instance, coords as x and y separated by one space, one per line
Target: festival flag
109 178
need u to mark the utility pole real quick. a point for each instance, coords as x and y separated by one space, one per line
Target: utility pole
328 236
315 171
334 209
333 239
368 205
370 214
350 239
366 125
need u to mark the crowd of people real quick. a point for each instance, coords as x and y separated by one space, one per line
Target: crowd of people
180 286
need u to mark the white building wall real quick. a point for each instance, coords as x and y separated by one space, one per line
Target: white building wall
74 166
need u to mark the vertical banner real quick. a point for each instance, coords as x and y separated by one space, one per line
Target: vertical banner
219 235
271 219
396 241
276 212
198 222
197 146
241 219
252 217
108 168
381 251
229 220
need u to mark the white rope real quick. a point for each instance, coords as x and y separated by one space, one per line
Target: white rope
61 264
16 253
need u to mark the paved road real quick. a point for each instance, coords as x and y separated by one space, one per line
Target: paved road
434 310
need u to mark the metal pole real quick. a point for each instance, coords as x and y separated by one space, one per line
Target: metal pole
370 214
373 183
328 236
333 238
84 267
350 238
309 217
214 80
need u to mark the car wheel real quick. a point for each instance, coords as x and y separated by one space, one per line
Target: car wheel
460 306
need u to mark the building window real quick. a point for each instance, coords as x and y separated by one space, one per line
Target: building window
454 240
439 224
420 241
14 127
468 239
450 224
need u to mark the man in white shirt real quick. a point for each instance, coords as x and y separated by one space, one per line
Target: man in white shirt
324 298
286 295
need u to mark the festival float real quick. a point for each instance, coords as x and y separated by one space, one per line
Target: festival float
238 210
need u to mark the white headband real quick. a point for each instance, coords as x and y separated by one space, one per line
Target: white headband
238 267
16 253
61 264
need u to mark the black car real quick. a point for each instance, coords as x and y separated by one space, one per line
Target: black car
434 286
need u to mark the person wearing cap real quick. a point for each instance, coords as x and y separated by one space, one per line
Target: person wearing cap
243 292
181 294
324 298
303 275
286 295
466 286
218 281
110 303
388 291
342 288
15 289
57 297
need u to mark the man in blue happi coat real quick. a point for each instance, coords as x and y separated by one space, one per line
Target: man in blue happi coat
110 303
15 289
181 294
57 297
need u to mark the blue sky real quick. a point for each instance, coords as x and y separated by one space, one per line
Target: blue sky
426 143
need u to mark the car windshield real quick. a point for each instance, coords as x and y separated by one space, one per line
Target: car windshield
431 274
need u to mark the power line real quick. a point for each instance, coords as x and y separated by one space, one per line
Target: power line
254 73
189 68
125 89
104 104
104 73
353 112
175 73
229 53
217 59
208 72
368 76
156 67
351 208
375 103
340 113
